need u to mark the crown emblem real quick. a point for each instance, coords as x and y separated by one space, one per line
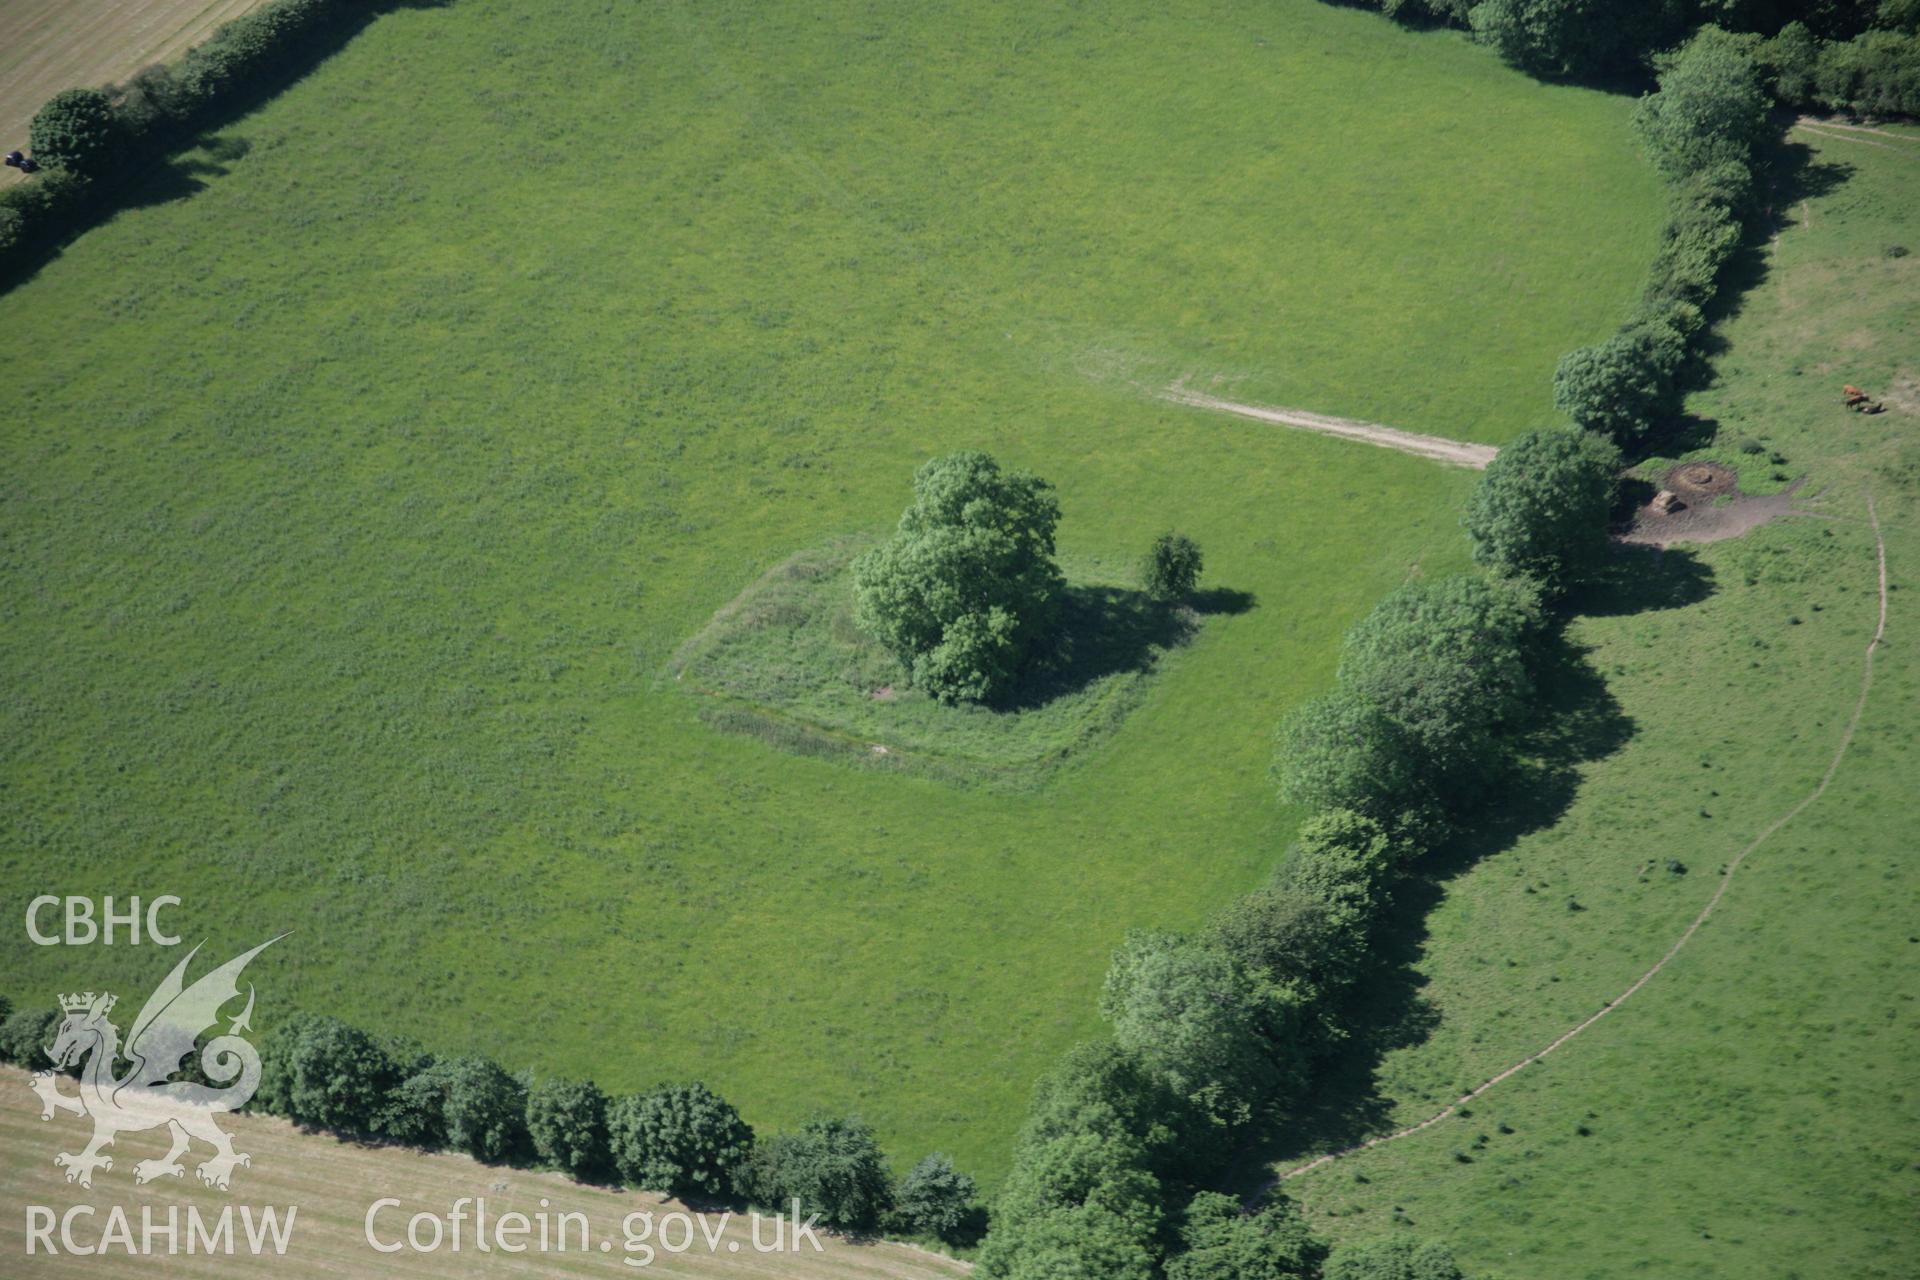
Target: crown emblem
87 1003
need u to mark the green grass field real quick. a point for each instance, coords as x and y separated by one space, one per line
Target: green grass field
362 483
1750 1112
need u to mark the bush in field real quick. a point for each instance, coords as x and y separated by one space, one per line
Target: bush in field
832 1167
1224 1038
934 1197
681 1139
76 130
1397 1258
1710 109
1171 568
1222 1243
567 1124
469 1103
319 1071
1540 509
966 588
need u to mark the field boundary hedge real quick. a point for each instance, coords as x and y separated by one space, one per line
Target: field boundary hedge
1112 1170
94 144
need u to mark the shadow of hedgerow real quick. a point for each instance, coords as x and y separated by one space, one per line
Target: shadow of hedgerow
1574 721
785 662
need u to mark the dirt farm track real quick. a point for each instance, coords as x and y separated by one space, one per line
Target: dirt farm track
50 45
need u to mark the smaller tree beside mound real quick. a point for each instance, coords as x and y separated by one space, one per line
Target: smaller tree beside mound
1541 508
1171 568
1624 386
966 590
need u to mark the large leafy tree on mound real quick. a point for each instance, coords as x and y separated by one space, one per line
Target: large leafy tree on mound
966 588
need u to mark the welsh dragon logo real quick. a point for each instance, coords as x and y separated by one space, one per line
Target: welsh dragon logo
147 1096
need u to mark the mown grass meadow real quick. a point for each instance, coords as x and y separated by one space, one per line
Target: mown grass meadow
363 481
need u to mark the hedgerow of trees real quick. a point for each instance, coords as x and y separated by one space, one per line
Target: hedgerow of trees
831 1167
86 139
934 1198
680 1139
567 1124
75 130
1859 56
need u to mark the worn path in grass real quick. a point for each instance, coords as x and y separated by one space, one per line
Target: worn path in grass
1720 890
1836 130
1438 448
50 45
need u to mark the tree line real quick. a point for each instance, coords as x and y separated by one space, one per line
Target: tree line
1857 56
88 141
678 1139
1215 1033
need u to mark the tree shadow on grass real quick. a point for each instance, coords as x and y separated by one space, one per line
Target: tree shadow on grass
1640 579
1104 631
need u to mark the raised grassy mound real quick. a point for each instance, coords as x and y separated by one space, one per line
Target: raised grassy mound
785 661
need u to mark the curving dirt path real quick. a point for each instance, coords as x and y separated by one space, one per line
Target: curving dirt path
1438 448
1726 878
